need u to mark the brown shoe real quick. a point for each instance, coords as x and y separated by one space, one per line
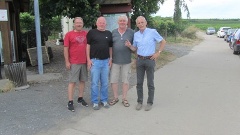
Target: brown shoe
125 103
114 101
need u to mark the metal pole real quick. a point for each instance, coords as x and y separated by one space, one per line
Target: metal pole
38 35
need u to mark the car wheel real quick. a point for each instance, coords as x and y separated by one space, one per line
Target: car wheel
235 52
230 45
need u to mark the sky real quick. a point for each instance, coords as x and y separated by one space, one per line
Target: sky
204 9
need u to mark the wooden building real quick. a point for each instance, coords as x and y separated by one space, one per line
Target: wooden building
10 28
111 9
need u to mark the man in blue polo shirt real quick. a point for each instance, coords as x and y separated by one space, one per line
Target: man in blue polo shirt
144 42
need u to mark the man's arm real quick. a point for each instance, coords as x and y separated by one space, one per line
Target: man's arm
89 62
110 55
161 46
66 56
130 46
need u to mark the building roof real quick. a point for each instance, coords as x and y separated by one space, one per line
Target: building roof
109 2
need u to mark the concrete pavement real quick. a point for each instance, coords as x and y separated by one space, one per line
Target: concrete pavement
197 94
32 78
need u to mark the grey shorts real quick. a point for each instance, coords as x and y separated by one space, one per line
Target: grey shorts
120 70
78 72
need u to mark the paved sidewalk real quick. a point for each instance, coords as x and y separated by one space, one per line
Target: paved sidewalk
33 78
197 94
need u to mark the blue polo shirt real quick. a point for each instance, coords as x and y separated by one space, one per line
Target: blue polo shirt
146 41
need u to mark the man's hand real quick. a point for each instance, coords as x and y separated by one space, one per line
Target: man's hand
68 65
89 64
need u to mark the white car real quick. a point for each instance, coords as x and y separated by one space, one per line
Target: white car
222 30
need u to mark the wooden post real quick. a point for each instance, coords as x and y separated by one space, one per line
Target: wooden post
6 35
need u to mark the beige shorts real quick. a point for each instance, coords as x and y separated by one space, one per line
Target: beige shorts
119 70
78 72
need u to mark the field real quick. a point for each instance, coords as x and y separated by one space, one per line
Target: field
216 23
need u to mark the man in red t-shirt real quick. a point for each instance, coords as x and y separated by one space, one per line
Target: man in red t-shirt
75 59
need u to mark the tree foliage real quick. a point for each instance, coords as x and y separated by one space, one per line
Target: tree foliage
70 8
144 8
179 4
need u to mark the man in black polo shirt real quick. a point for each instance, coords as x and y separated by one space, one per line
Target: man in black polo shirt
99 59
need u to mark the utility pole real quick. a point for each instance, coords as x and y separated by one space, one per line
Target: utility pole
38 35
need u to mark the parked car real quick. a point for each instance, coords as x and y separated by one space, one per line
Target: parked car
236 42
221 31
230 39
228 33
210 31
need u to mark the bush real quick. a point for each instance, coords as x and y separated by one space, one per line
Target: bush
26 21
190 32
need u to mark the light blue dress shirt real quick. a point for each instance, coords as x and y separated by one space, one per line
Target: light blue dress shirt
146 41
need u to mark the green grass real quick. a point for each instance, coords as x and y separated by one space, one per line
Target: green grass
216 23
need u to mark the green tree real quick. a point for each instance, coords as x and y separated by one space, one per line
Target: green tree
26 22
144 8
177 15
70 8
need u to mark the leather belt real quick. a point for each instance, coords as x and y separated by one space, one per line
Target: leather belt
144 57
98 59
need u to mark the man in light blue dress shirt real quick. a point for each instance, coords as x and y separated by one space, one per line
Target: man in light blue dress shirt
144 42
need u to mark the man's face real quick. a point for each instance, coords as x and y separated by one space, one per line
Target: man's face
78 24
122 23
141 23
101 24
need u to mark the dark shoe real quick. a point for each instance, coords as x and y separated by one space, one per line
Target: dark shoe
139 106
70 106
148 107
82 102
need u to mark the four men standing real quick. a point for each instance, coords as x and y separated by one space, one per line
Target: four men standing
104 48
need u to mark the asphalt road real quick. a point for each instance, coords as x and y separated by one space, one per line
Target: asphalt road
197 94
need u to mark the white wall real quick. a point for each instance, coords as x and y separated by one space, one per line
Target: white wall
67 25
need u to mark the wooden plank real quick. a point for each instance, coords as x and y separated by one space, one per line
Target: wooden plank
32 53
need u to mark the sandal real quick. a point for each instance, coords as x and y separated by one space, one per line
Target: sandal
125 103
114 101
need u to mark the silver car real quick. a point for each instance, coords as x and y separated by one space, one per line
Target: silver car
236 42
210 31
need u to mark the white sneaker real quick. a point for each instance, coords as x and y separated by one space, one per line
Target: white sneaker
95 107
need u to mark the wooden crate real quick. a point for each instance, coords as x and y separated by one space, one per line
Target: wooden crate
32 53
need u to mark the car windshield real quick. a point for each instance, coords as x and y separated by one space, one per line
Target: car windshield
211 28
225 29
230 31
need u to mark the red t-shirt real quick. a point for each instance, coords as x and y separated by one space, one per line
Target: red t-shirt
77 43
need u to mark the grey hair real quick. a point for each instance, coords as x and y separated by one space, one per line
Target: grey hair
142 18
77 18
124 17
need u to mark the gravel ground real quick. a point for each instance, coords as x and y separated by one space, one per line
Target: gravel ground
42 106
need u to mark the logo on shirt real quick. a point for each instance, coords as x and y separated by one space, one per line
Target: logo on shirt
80 39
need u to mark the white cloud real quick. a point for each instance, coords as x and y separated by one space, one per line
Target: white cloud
201 9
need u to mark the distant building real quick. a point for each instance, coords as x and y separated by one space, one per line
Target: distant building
110 9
